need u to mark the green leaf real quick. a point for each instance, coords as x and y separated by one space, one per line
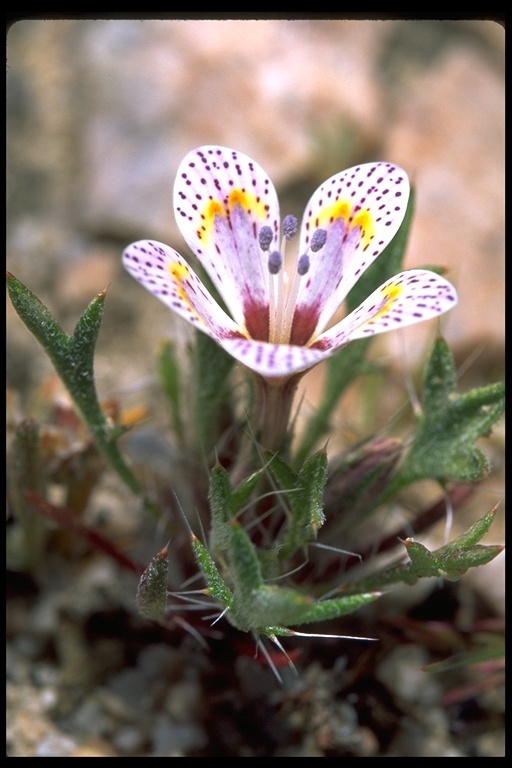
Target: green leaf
305 495
312 480
272 605
289 607
244 564
212 407
226 502
450 561
464 552
473 535
153 585
243 491
443 447
220 500
216 586
73 358
323 610
169 374
286 477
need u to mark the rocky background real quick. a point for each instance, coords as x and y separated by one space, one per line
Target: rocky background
99 115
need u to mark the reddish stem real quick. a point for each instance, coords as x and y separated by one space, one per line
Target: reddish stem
64 518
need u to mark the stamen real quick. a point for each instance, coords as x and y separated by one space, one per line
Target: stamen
290 226
303 264
282 302
275 262
276 289
265 237
291 300
318 240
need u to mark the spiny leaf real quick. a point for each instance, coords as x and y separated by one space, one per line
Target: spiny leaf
336 607
216 586
153 585
243 491
473 535
271 604
305 498
243 559
450 561
225 503
73 358
220 500
321 611
312 478
443 447
284 474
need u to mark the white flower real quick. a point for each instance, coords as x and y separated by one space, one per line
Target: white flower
227 210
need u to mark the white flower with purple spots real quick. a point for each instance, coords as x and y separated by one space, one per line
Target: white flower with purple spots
279 312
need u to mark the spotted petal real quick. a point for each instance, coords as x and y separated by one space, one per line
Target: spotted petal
407 298
361 210
273 360
222 198
167 275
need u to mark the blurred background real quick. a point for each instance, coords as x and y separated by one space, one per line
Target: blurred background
101 112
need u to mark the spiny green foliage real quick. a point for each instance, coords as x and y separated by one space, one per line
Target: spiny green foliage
443 447
152 589
449 562
252 582
306 498
73 358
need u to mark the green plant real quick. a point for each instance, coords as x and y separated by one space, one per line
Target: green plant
274 498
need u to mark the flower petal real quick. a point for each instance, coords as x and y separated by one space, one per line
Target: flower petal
167 275
361 210
272 360
222 198
409 297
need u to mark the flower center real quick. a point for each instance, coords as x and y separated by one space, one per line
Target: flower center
283 291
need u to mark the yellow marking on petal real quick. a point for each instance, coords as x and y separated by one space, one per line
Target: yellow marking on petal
180 272
237 197
210 212
342 209
338 210
248 201
364 220
214 208
389 297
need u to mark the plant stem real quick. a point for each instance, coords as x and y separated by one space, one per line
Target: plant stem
272 410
